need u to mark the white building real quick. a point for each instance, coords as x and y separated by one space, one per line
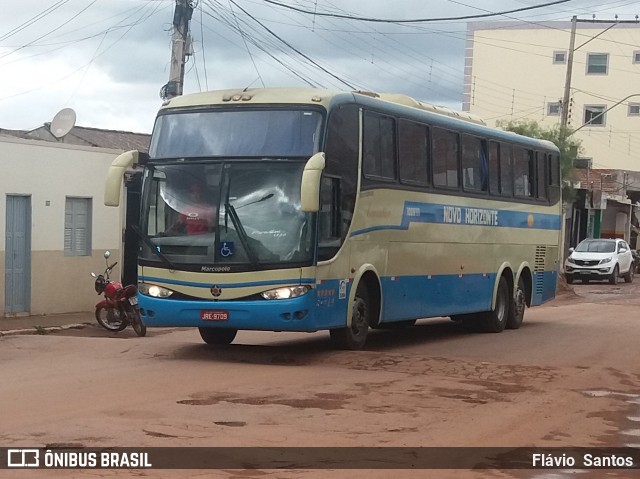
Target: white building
54 227
517 71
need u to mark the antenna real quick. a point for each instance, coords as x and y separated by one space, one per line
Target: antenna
63 122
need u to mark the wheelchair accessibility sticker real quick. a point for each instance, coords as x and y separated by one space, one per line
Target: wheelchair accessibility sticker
227 249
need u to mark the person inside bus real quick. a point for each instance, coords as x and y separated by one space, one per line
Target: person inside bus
198 217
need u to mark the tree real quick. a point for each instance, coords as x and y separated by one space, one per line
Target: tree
569 148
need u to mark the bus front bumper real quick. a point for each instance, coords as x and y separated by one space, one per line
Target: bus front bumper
297 314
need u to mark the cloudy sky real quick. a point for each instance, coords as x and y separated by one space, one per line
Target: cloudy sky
108 59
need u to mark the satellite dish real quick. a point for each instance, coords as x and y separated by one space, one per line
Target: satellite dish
62 123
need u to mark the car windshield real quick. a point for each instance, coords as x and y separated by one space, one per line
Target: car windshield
596 246
237 214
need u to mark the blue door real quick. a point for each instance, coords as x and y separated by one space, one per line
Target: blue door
17 276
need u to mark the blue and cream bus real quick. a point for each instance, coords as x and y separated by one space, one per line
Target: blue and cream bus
308 210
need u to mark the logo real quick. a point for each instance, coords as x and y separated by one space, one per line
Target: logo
216 290
23 458
227 249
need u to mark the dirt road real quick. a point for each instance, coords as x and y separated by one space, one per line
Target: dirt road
569 377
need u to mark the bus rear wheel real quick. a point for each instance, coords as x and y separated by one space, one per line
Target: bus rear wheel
354 336
518 306
217 337
495 321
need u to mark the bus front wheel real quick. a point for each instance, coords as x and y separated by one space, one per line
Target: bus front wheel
217 337
354 336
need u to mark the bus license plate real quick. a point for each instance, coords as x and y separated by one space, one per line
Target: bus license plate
208 315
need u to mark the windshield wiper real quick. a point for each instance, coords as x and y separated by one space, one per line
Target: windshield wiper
264 198
242 234
152 246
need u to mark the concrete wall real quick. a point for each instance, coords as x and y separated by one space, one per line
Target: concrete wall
48 173
510 74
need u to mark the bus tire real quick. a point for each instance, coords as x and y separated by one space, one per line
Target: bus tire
518 306
354 336
495 321
217 337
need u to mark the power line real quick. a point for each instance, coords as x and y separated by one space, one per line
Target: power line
293 48
415 20
33 19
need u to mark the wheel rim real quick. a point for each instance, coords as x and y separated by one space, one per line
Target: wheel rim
519 302
359 323
501 305
111 318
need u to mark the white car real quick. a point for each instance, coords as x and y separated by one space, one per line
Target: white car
600 259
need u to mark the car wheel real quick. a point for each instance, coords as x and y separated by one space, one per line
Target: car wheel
613 279
628 277
569 278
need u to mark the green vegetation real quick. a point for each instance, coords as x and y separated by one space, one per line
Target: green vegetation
569 148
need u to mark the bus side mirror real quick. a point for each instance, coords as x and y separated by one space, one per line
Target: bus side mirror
115 177
310 186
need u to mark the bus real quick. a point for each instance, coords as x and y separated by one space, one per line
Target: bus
308 210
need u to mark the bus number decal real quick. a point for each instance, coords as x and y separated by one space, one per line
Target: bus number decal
413 211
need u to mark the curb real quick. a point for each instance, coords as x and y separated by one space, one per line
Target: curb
39 330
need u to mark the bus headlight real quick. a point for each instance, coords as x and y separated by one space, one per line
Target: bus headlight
153 290
286 293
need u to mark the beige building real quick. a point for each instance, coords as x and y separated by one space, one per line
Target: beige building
517 71
54 226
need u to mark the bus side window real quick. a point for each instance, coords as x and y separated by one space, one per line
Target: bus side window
494 168
541 175
506 170
522 173
554 179
378 147
445 158
474 164
329 218
413 153
341 149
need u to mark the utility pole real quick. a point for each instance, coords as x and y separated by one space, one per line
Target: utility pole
564 119
566 98
179 48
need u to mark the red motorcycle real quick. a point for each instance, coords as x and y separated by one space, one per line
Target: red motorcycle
119 308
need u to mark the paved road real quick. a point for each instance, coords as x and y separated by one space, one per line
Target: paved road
569 377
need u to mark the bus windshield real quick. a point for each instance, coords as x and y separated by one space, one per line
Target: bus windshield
227 216
239 133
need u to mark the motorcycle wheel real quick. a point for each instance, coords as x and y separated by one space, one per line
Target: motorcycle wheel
136 323
111 319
